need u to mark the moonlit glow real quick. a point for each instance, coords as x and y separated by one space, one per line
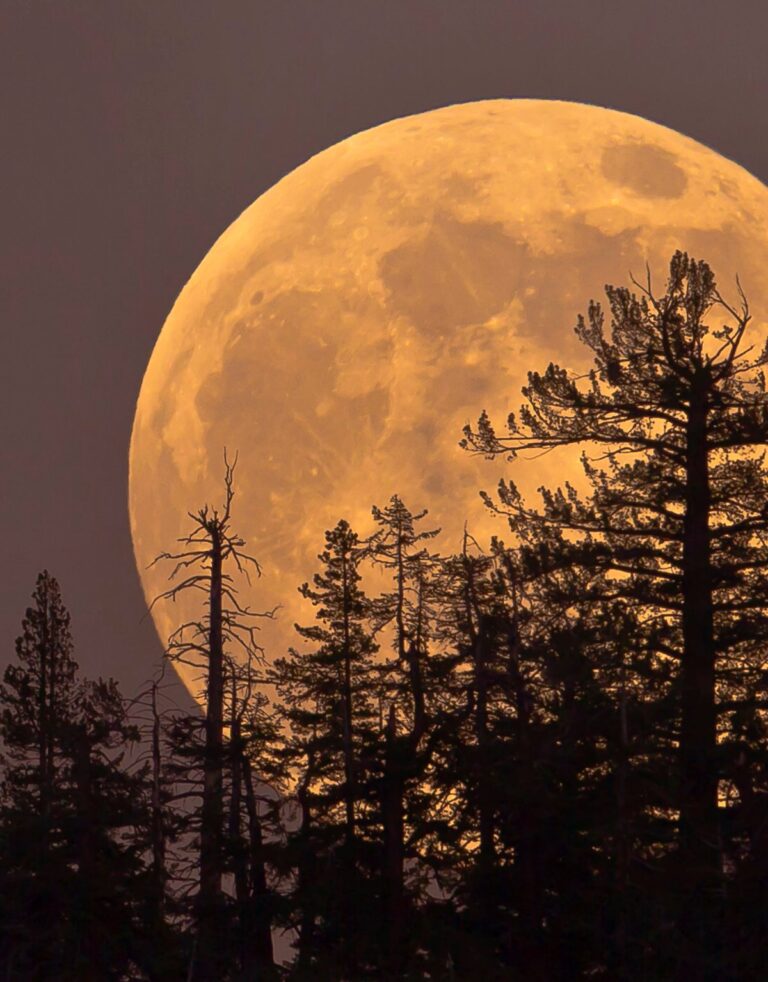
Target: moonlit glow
346 325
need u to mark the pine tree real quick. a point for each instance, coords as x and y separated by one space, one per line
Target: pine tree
105 815
327 694
398 547
566 817
516 759
37 697
467 773
678 410
73 879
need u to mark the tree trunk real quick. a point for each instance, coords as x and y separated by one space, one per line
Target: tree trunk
234 832
622 838
347 723
699 832
529 950
259 960
88 970
487 854
158 824
306 876
400 608
209 900
53 722
44 717
394 893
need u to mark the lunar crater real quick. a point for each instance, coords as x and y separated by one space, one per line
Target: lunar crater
644 169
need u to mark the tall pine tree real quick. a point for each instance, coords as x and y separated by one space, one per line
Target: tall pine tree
328 698
677 408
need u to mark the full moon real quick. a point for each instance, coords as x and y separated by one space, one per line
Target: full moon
347 325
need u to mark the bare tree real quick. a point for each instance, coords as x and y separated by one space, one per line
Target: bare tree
206 562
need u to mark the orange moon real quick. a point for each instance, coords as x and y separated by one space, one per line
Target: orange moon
344 328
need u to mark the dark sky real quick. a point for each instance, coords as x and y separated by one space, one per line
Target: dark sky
134 132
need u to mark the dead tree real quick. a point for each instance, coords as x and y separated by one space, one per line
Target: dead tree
203 563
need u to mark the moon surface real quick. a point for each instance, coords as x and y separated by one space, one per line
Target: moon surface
347 325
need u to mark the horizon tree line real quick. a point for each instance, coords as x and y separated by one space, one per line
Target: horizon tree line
546 758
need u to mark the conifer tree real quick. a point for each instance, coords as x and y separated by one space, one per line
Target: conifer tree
469 771
677 408
105 815
491 763
73 879
37 696
327 694
406 610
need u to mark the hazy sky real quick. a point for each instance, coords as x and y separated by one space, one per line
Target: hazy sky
135 132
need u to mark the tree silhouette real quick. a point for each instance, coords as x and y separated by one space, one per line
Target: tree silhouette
202 564
328 699
545 759
38 693
397 547
153 710
37 696
677 410
256 776
72 871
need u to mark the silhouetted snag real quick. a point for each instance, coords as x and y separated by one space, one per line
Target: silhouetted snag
209 547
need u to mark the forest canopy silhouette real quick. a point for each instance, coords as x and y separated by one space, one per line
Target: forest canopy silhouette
544 757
